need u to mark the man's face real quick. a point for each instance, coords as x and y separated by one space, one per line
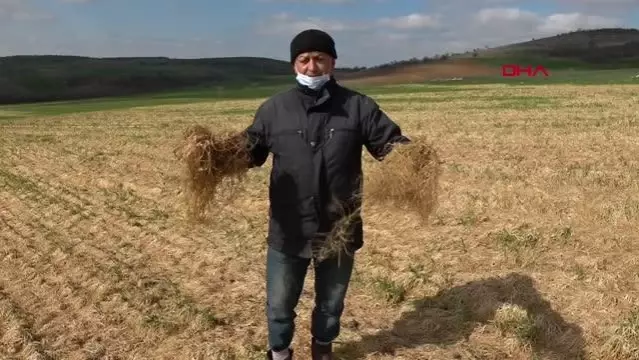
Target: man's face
314 63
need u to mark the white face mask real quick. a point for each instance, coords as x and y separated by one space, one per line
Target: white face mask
313 82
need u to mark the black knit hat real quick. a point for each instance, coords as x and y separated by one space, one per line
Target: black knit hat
312 40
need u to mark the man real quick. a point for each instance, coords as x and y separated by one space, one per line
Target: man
316 132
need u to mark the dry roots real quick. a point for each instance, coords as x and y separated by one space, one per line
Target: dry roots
335 243
215 164
408 178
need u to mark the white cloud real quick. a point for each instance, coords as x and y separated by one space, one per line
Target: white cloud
488 16
321 1
605 2
287 24
542 25
16 10
557 23
108 46
307 1
411 21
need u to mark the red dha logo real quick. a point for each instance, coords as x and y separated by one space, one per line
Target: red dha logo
513 70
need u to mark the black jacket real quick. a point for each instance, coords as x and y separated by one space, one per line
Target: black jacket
316 138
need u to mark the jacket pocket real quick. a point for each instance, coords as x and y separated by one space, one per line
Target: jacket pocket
343 135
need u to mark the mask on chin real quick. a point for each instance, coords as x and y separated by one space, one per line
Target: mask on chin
313 82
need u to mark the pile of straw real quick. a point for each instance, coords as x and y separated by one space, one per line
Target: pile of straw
215 164
407 178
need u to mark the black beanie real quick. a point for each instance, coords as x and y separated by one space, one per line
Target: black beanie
312 40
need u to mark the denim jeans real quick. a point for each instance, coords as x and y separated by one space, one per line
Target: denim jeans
285 276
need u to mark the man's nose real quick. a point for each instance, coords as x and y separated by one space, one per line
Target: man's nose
312 66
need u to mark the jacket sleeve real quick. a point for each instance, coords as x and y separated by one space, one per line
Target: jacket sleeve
258 141
379 131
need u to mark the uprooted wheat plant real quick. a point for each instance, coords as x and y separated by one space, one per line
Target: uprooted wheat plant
407 178
335 242
216 164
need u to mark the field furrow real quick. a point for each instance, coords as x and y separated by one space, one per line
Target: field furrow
17 339
116 271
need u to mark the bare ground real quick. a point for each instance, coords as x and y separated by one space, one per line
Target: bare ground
531 254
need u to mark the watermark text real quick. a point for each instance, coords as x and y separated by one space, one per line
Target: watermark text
514 70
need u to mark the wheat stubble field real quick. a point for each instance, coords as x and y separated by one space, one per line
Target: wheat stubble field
531 254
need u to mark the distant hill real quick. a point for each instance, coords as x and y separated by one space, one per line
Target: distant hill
599 45
48 78
601 48
578 50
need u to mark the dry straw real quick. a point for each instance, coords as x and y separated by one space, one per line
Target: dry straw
216 164
407 178
335 243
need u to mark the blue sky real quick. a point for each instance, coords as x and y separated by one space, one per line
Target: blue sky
367 32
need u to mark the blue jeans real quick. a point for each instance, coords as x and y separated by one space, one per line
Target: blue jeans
285 276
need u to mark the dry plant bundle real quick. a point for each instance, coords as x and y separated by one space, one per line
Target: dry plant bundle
335 242
408 178
215 164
